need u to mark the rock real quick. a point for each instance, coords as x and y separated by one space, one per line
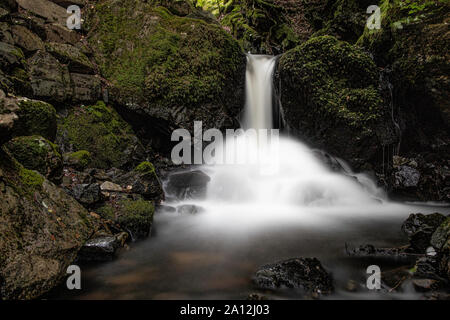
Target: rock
86 88
37 153
330 99
25 39
144 181
441 237
99 249
79 160
67 3
57 33
109 186
76 60
100 130
188 185
41 231
10 56
189 209
45 9
306 274
49 79
133 216
424 285
419 228
406 177
86 194
36 118
188 69
8 117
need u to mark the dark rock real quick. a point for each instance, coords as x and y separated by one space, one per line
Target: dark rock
189 209
441 237
303 273
87 194
25 39
8 117
10 56
41 231
49 79
187 185
57 33
45 9
86 88
406 177
419 228
329 96
99 249
76 60
424 285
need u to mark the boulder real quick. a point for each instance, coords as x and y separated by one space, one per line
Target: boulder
330 99
441 237
187 185
78 160
187 69
37 153
87 194
419 228
101 131
99 249
306 274
133 216
41 231
109 186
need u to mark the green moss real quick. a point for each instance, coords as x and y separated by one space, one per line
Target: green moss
36 118
136 212
163 58
145 167
80 158
30 179
99 130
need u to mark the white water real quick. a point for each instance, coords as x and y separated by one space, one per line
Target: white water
299 179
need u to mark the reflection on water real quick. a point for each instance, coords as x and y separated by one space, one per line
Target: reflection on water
213 255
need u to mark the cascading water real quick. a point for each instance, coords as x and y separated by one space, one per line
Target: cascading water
298 179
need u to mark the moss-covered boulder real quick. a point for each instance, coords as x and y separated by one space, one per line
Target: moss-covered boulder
414 43
134 216
36 118
330 98
100 130
37 153
79 159
170 70
41 231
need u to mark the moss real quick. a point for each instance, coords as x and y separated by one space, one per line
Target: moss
100 130
31 179
80 158
37 153
36 118
145 167
136 213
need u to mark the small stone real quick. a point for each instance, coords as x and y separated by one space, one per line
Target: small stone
109 186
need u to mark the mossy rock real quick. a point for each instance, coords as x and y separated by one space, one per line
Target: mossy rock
79 159
441 237
145 168
134 216
36 118
101 131
171 69
414 42
41 231
330 97
37 153
76 60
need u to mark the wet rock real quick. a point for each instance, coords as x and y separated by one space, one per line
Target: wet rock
302 273
87 194
189 209
419 228
370 250
406 177
109 186
99 249
441 237
188 185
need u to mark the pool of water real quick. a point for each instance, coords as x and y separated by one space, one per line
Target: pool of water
213 255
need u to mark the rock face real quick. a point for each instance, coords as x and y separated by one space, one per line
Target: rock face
419 228
41 231
167 70
330 98
302 273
